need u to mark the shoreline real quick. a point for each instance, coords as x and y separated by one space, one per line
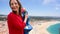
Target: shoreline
39 27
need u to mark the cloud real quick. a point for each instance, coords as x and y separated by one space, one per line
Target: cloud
55 3
57 6
48 1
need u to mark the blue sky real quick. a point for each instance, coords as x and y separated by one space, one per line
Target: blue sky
35 7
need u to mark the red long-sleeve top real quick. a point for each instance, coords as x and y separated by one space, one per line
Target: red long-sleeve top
15 24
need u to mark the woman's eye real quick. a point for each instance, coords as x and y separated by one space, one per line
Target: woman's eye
15 3
11 3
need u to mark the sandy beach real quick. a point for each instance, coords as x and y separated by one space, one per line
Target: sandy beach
39 27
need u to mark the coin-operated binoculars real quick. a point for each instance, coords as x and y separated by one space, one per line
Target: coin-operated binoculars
28 27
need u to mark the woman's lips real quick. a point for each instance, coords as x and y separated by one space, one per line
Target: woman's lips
13 8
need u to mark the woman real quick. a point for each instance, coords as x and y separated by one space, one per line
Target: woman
15 22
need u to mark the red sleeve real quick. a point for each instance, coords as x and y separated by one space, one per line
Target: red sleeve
16 22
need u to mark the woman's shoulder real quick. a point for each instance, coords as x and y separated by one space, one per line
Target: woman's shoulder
10 14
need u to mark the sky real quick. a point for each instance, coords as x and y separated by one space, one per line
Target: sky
34 7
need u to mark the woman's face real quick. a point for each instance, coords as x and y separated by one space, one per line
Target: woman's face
14 5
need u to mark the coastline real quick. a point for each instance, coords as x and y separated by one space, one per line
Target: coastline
39 27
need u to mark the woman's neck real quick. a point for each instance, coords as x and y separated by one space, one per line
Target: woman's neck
16 12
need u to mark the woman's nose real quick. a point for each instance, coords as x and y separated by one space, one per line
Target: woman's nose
14 5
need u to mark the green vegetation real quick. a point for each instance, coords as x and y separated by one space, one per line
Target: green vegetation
32 18
3 17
